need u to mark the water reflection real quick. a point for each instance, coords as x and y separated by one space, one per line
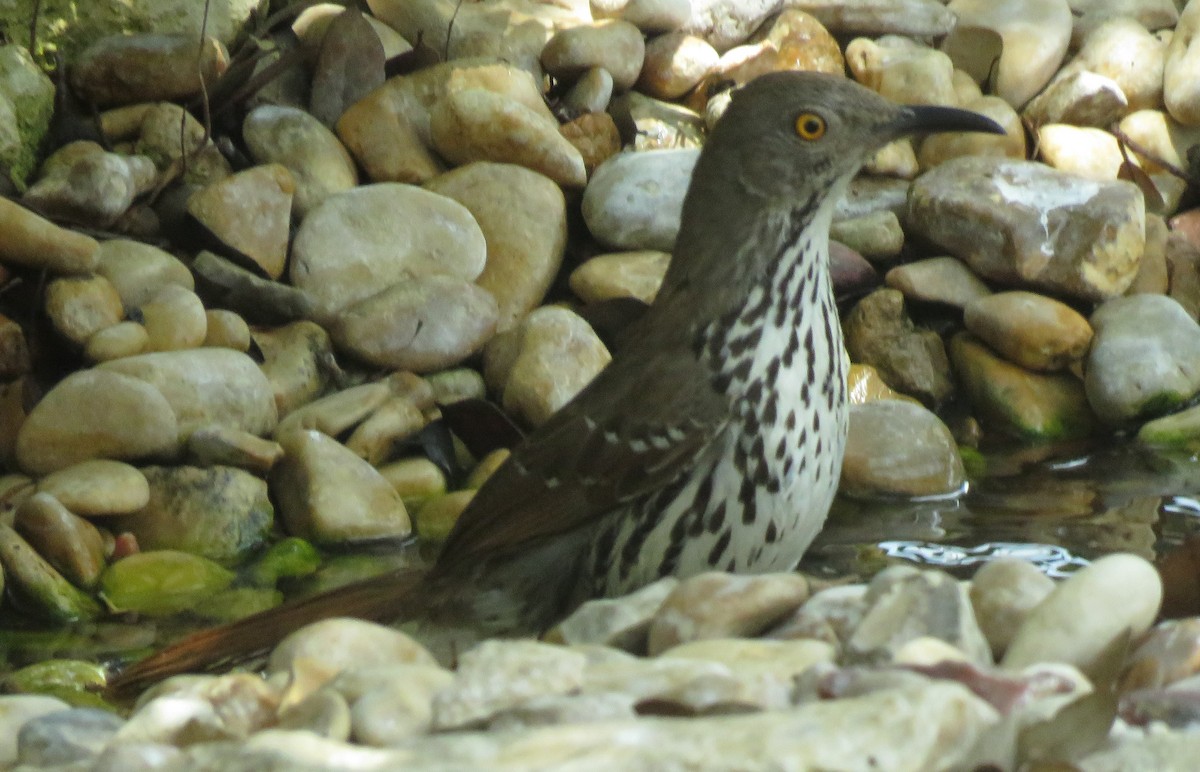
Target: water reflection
1058 508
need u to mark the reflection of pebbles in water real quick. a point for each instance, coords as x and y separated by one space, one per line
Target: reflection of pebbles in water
1054 561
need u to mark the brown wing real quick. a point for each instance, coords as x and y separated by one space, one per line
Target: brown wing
632 430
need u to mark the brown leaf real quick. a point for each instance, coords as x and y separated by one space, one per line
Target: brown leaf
1137 175
350 65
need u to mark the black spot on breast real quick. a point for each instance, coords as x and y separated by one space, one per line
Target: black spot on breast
810 350
793 345
769 410
781 450
790 423
772 534
773 370
718 550
754 393
747 498
716 518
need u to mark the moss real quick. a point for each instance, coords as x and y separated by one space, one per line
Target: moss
26 106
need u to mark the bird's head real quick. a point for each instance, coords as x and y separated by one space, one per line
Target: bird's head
787 134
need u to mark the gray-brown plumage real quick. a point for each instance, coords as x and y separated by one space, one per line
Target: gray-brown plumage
713 440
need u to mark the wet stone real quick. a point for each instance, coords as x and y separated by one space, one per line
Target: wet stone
68 542
390 704
1143 361
342 643
622 623
938 280
910 360
899 448
221 513
1003 593
328 495
1031 330
66 736
717 605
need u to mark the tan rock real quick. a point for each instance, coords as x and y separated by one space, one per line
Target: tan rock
35 242
620 275
423 325
145 68
205 385
675 63
98 487
250 212
226 329
80 306
124 339
939 280
96 414
174 320
898 448
478 125
319 164
938 148
216 445
68 542
1032 330
543 362
902 70
295 361
364 240
328 495
523 218
1091 153
139 271
615 45
595 136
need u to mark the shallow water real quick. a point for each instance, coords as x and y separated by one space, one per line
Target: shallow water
1057 512
1057 507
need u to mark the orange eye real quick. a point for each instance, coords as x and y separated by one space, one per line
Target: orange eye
810 126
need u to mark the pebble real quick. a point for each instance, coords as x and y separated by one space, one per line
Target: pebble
68 542
140 271
391 424
34 242
96 414
902 70
793 40
938 280
313 22
66 736
221 513
423 325
1080 99
913 361
205 385
591 93
1181 92
1143 362
1020 222
328 495
336 412
719 605
675 63
474 124
1036 34
541 364
651 124
249 212
226 329
216 445
296 360
1126 52
523 218
342 644
1003 593
174 320
621 623
92 188
123 69
15 711
634 200
1016 401
620 275
1069 627
903 604
650 16
1031 330
48 596
391 703
595 136
98 488
612 44
359 242
896 448
876 236
79 307
319 164
1086 152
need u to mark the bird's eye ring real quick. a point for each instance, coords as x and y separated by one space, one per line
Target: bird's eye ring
810 126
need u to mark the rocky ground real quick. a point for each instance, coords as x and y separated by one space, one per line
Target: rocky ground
265 315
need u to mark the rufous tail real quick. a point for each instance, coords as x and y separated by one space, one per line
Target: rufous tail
386 598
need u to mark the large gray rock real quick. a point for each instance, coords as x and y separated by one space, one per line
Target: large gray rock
1019 222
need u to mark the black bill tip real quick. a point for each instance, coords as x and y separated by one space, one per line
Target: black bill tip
918 119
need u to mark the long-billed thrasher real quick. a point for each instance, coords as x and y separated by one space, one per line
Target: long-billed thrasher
713 440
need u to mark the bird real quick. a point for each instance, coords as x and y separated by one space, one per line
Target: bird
714 438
